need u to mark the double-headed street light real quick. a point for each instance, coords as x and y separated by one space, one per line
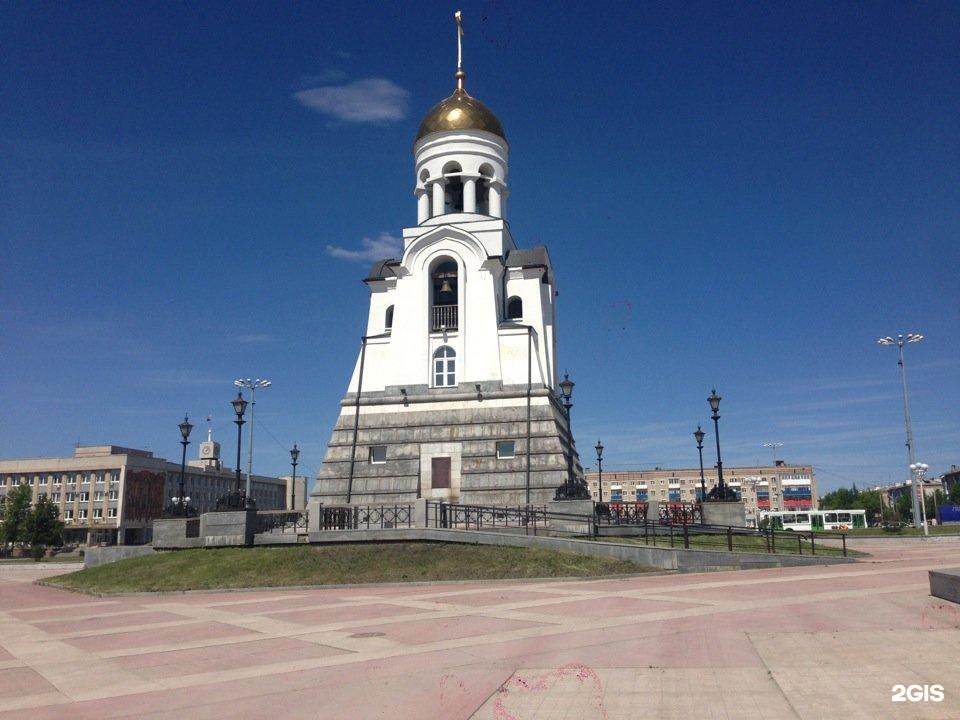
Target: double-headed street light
251 385
773 446
919 471
699 435
294 456
900 341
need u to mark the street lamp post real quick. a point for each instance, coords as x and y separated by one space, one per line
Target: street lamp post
699 435
185 428
714 400
252 385
599 449
900 341
570 489
919 475
294 456
239 407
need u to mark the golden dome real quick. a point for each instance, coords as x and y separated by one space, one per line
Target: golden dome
460 111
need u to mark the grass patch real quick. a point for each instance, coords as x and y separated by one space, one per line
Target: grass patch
212 569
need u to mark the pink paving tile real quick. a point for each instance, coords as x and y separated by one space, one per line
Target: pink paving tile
190 632
17 682
499 596
417 632
344 612
604 607
225 657
107 623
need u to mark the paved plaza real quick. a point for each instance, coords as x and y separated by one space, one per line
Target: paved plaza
812 643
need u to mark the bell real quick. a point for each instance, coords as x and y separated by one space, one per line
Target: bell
445 288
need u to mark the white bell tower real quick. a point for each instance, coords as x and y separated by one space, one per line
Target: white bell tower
453 395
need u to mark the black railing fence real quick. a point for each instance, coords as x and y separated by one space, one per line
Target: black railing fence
280 521
365 517
484 517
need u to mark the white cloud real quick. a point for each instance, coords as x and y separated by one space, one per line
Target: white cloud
381 247
367 100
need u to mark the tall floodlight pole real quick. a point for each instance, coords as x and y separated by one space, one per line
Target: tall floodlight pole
252 386
185 428
599 448
919 471
900 342
773 446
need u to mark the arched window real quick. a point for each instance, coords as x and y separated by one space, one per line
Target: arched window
514 308
483 189
443 295
444 367
453 190
388 319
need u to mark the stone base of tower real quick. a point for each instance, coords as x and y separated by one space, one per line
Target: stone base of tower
443 445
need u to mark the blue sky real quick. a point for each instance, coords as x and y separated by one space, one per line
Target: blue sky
745 195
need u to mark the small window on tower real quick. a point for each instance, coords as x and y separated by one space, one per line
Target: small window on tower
506 449
445 367
514 308
378 454
388 320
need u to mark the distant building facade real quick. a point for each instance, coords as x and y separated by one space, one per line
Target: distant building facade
770 487
111 495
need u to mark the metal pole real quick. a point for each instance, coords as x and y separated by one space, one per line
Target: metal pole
567 404
908 425
183 467
529 404
703 482
293 487
253 404
356 418
239 439
716 432
600 476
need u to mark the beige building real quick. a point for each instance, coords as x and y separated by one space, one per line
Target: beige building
778 487
109 494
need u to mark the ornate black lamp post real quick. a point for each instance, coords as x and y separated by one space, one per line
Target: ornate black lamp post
699 435
723 492
294 455
185 428
239 407
599 448
570 489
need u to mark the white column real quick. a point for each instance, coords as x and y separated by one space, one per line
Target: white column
423 206
494 200
437 197
469 194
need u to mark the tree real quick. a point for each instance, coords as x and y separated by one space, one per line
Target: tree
15 512
954 495
43 526
933 503
903 507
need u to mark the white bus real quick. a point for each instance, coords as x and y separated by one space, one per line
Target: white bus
816 519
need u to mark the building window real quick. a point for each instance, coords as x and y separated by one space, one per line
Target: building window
85 479
378 454
115 476
68 514
82 514
388 319
98 495
445 367
444 293
97 513
514 308
111 512
506 449
113 495
56 497
84 496
99 478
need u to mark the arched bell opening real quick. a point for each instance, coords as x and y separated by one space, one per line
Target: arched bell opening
453 188
483 189
444 295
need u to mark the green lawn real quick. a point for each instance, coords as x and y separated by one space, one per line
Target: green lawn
210 569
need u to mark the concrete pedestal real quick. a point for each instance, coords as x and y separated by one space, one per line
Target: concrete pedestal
945 584
170 533
234 527
724 513
574 526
